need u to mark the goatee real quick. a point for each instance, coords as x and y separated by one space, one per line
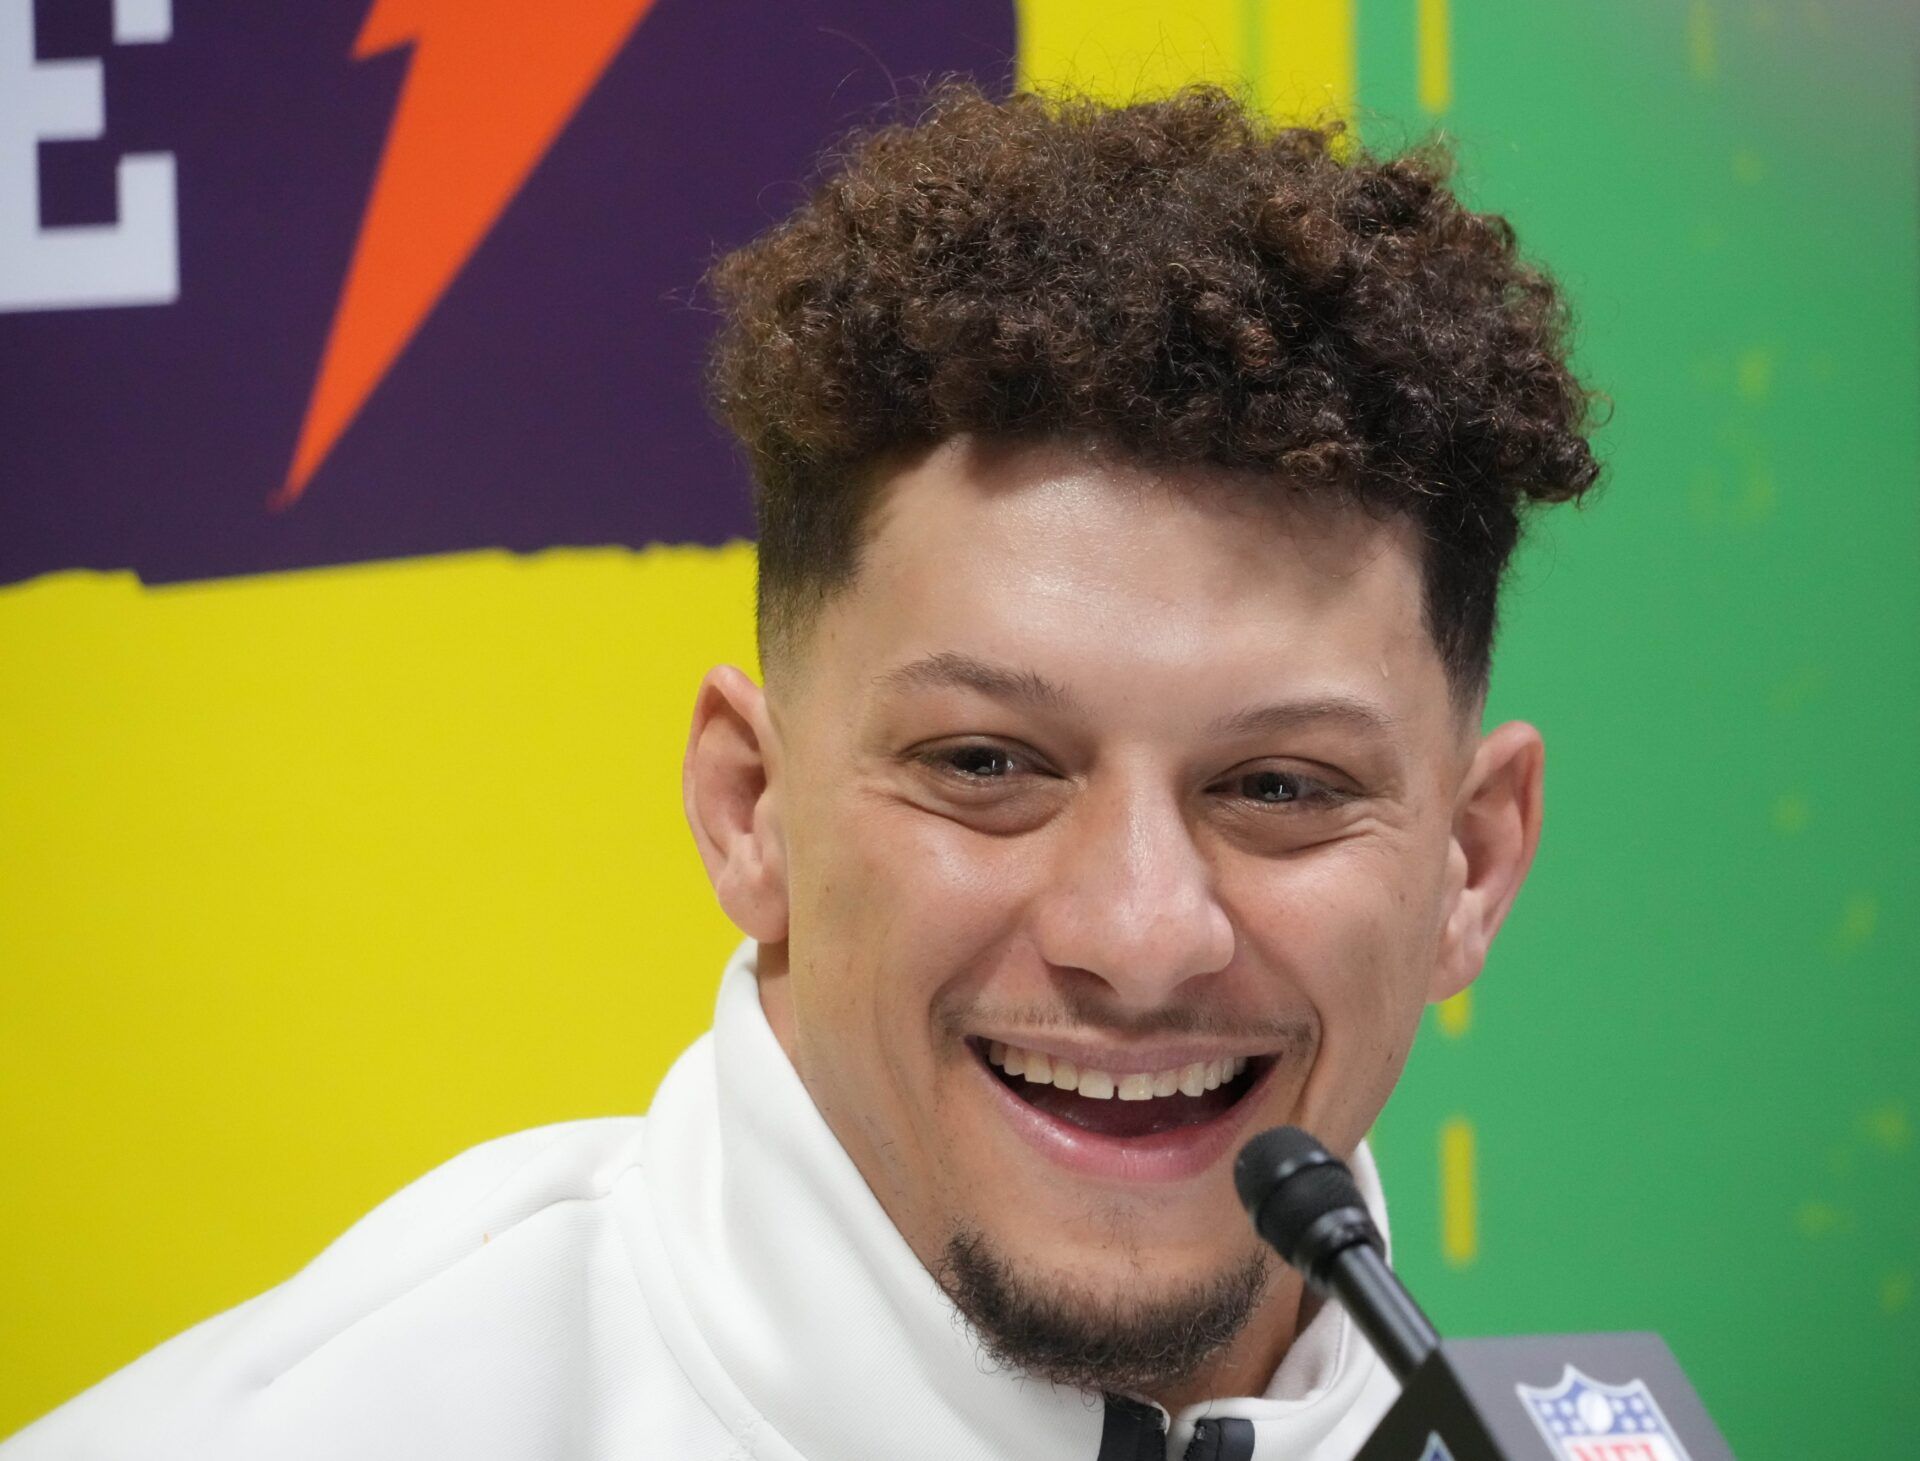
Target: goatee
1097 1342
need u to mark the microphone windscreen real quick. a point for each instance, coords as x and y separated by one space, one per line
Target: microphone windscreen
1288 1182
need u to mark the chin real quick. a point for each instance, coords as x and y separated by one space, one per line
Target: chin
1120 1318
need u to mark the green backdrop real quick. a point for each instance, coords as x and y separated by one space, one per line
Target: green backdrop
1692 1068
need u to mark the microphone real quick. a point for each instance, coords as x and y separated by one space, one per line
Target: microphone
1557 1397
1304 1202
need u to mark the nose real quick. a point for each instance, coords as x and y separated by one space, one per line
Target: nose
1130 897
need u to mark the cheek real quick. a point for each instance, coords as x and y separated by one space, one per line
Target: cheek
904 879
893 909
1356 929
1361 906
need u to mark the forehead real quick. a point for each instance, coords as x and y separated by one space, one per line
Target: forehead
1051 558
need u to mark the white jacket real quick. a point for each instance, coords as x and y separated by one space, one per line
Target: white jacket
714 1281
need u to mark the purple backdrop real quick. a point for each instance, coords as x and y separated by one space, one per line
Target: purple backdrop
551 397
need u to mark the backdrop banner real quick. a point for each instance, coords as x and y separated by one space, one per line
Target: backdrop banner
364 535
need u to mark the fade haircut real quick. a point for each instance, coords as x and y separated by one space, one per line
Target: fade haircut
1178 280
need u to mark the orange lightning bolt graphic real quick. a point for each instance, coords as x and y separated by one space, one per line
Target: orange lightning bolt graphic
491 84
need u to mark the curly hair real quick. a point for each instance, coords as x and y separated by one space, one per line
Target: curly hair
1177 279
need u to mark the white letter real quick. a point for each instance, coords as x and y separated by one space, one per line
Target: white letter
134 261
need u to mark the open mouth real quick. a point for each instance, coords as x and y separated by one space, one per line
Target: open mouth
1123 1105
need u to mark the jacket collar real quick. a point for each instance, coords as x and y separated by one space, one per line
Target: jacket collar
803 1317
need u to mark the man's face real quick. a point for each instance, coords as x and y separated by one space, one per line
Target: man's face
1134 785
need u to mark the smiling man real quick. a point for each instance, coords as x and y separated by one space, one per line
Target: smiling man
1135 490
1135 486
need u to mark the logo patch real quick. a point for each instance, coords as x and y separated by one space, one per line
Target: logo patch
1436 1449
1587 1420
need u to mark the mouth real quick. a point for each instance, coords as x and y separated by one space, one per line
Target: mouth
1133 1125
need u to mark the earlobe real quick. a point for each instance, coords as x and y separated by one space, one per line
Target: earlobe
729 784
1496 829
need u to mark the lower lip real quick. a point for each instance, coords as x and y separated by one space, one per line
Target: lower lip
1166 1156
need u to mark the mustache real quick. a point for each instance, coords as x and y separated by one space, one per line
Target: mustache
1083 1015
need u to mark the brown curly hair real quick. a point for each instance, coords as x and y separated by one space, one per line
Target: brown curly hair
1178 279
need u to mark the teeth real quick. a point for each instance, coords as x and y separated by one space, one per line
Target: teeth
1097 1084
1188 1080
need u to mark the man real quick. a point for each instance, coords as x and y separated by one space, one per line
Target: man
1134 485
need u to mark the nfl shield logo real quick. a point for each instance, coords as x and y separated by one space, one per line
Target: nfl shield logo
1436 1449
1586 1420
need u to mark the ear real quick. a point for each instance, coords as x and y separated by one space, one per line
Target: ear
1496 828
729 785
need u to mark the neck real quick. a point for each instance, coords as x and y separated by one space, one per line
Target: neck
776 996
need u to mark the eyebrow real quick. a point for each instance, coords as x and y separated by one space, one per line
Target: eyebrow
949 670
1288 715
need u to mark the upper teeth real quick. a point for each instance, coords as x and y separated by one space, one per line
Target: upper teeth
1103 1085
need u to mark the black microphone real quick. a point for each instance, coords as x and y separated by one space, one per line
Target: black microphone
1305 1203
1565 1397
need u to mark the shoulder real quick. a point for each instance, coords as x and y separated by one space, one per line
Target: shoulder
470 1281
484 1193
497 1192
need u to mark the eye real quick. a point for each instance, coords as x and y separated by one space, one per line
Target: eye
1270 786
975 763
999 788
1273 788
